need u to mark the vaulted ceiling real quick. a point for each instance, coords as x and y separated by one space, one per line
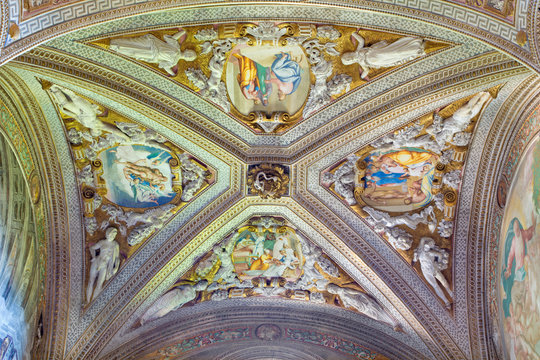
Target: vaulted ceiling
93 101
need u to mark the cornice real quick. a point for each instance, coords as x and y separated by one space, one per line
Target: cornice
471 23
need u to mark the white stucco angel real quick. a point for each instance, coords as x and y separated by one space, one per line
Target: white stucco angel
226 271
426 216
444 130
382 54
312 276
172 300
165 53
432 261
104 265
362 303
78 108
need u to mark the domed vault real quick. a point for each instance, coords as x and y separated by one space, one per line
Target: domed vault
284 180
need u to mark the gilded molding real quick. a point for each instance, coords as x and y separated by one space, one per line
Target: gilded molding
217 229
496 65
238 313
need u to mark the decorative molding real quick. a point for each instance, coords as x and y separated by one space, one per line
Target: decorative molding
253 313
458 17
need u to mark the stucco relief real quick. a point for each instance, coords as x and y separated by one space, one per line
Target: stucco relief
267 257
406 184
270 75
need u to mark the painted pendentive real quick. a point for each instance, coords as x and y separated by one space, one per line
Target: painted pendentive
519 260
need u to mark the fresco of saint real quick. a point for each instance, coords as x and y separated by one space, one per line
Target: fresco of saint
399 177
267 78
256 80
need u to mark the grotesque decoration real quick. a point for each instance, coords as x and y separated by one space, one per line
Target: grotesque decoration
105 261
268 181
433 260
166 54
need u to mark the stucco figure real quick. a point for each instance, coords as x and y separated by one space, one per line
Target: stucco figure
362 303
104 265
165 53
432 261
172 300
382 54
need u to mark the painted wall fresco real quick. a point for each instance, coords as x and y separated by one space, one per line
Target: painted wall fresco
270 75
132 180
20 283
267 257
406 185
519 260
528 130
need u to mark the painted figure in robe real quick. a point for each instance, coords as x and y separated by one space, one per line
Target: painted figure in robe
405 174
256 80
514 256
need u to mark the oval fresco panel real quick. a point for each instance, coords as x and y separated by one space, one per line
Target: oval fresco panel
398 179
137 176
267 78
519 260
267 253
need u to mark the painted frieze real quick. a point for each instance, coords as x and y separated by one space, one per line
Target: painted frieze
270 75
519 260
267 257
267 333
131 179
406 183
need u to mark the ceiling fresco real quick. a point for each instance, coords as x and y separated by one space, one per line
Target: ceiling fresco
321 184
